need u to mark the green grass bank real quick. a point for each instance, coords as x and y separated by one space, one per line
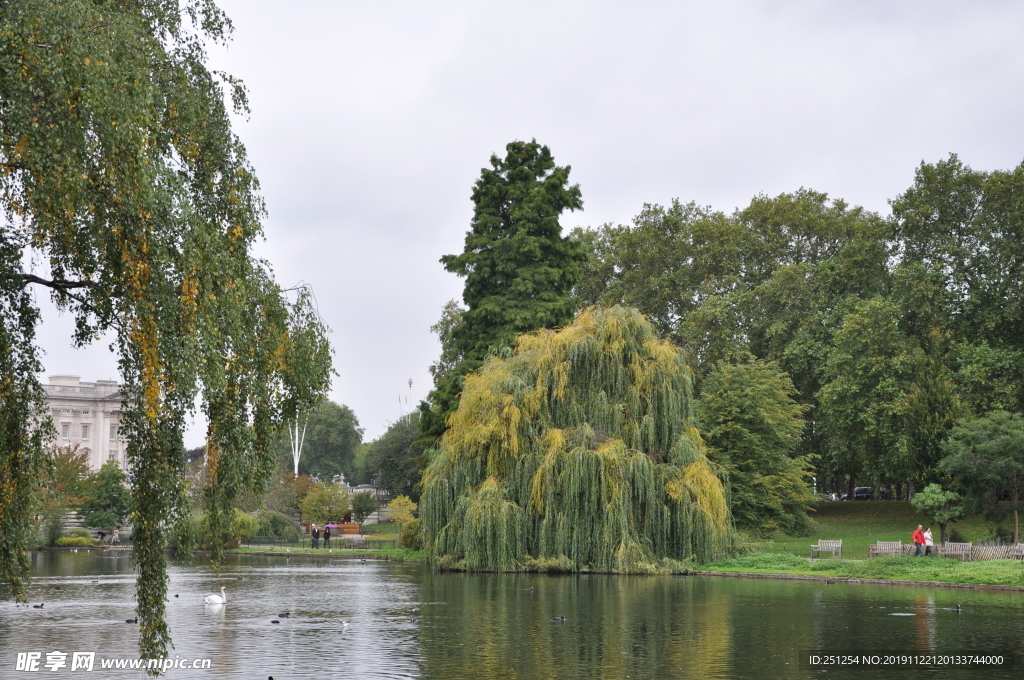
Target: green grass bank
863 523
938 569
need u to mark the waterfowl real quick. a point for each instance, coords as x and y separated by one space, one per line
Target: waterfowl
275 621
558 618
284 615
218 599
135 620
37 606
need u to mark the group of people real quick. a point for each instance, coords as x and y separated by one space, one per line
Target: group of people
115 538
923 542
315 533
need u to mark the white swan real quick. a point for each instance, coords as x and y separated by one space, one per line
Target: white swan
218 599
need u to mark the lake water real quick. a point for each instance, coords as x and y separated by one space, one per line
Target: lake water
404 621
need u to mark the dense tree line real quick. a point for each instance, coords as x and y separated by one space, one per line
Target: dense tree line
889 329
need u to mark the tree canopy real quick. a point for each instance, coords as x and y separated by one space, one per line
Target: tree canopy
578 451
519 268
332 436
986 457
392 458
890 328
752 426
123 181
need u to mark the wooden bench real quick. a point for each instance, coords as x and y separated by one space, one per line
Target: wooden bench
886 549
1016 552
831 547
958 550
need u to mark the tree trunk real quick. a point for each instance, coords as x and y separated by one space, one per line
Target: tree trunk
850 487
910 490
1016 519
899 491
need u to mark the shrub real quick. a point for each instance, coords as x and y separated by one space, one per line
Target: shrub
273 523
102 519
243 526
53 530
400 510
411 536
74 540
325 503
78 532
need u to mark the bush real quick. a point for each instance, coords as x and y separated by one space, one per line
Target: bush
243 526
411 536
953 535
273 523
53 530
78 532
74 540
102 519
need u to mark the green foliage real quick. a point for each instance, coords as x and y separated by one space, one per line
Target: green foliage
273 523
364 504
451 354
75 540
400 510
325 503
287 492
332 437
752 426
411 537
78 532
986 455
53 528
941 506
867 375
391 459
579 449
518 267
109 501
123 178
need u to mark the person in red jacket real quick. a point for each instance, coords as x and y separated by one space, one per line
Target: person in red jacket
918 539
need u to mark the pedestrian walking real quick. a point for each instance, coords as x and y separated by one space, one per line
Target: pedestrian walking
918 538
327 537
116 538
929 544
316 537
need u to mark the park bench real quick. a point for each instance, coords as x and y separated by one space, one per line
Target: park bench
886 549
958 550
1016 552
831 547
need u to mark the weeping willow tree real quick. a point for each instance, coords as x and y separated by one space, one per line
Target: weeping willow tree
126 195
576 452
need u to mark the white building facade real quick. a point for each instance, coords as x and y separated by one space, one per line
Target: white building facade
87 415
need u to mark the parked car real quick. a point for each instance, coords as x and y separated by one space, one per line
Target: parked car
862 493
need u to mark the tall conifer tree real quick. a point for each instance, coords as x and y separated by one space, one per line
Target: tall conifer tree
519 269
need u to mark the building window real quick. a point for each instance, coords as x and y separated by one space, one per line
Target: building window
113 431
85 431
65 410
85 412
65 431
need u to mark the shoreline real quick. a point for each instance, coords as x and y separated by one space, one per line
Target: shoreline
856 580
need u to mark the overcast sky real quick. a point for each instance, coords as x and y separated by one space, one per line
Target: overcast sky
371 120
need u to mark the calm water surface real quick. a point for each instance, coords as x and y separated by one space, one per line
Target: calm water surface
405 621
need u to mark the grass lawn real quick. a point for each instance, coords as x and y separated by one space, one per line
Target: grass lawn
862 523
945 569
388 530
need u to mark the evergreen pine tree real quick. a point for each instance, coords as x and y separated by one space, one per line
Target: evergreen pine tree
519 269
